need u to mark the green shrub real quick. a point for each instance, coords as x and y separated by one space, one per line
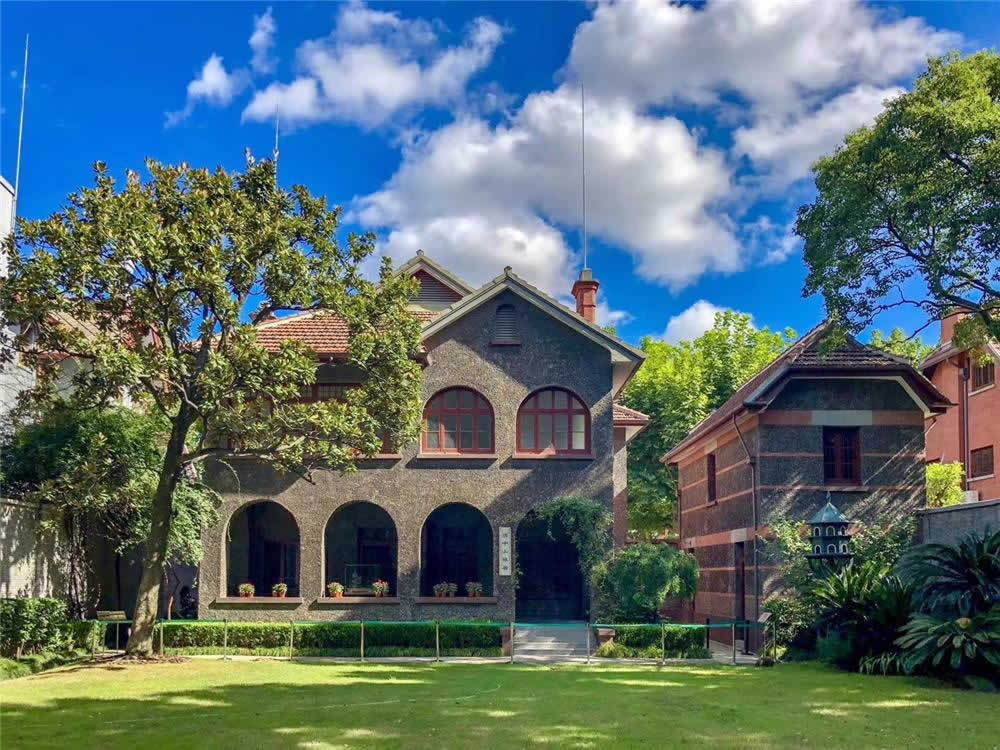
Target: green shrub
32 624
956 580
633 583
837 650
795 618
643 641
34 663
965 649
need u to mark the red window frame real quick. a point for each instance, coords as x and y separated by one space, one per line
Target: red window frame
841 455
981 462
539 410
710 477
325 391
983 375
456 405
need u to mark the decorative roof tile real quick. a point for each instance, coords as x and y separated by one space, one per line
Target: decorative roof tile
325 332
624 415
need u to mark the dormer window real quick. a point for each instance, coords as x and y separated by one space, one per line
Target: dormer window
505 326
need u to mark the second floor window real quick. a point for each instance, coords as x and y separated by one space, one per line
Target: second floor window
553 421
710 476
457 420
325 391
983 374
841 455
981 462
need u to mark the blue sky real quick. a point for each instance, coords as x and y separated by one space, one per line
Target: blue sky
454 127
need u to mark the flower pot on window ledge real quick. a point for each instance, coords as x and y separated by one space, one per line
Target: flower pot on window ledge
246 590
279 590
380 588
335 590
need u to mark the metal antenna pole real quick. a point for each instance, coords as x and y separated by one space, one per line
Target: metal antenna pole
20 134
583 170
276 120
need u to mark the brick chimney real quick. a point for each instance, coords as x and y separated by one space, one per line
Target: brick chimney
585 292
948 325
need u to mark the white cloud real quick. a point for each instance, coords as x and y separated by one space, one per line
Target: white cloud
770 53
651 189
784 148
213 85
261 42
693 322
373 66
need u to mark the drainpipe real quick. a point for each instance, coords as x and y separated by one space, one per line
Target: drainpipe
753 497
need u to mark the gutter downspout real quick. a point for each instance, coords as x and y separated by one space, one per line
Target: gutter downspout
752 461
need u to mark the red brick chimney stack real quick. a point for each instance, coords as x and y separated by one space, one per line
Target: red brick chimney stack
585 292
948 325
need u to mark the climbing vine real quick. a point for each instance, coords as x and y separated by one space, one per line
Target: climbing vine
588 525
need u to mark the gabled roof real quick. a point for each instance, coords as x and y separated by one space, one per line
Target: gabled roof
829 514
806 358
421 262
323 331
948 349
623 415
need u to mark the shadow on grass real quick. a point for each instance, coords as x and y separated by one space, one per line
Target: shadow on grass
315 706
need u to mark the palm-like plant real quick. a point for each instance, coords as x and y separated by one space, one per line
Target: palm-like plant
963 579
965 647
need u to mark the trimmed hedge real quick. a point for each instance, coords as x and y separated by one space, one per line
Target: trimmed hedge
331 638
643 641
34 663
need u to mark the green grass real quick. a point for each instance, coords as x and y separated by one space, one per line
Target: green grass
263 704
34 663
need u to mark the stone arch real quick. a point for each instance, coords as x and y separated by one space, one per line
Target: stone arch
262 547
360 546
456 546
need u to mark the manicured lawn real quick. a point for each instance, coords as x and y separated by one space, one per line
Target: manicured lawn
255 704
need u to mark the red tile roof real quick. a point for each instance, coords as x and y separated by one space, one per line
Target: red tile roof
325 332
624 415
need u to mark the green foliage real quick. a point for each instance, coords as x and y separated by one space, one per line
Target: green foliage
35 663
913 350
944 484
837 649
795 617
678 386
884 543
956 580
633 583
644 642
587 523
32 624
910 203
961 648
330 638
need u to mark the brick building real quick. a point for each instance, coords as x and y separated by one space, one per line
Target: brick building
969 431
846 422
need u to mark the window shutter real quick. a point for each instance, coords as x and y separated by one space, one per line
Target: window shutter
505 326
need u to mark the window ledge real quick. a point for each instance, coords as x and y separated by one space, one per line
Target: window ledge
261 601
505 343
845 487
984 388
554 456
984 476
355 600
456 600
457 456
383 457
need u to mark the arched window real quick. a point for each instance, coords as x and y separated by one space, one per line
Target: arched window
818 549
361 548
553 421
505 326
457 420
456 546
843 548
817 531
262 548
830 531
831 549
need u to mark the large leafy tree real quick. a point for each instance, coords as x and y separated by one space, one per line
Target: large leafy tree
910 348
166 280
678 386
95 471
908 208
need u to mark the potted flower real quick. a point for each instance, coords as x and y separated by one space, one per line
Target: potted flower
440 590
474 588
380 588
335 590
452 589
279 590
247 590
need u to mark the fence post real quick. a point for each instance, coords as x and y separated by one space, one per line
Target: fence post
511 641
437 640
734 641
362 640
225 638
161 639
117 636
708 621
663 644
588 642
774 639
93 643
291 639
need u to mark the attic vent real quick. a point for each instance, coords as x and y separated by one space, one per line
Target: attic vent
505 327
433 295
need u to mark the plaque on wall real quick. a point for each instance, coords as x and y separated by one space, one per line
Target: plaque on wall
505 551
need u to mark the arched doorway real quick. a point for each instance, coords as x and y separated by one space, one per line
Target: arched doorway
456 546
361 548
550 585
262 548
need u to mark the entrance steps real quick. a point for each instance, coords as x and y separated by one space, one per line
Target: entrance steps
550 642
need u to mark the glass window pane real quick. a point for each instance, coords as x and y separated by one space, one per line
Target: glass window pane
545 400
577 405
465 433
544 430
434 404
527 433
450 399
561 436
481 403
485 432
433 438
465 399
560 401
579 441
450 436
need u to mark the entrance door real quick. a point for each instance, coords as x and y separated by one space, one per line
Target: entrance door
550 584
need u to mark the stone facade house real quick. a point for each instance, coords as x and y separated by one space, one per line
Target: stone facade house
969 431
519 410
844 425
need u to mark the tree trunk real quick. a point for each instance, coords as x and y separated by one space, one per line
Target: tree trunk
140 641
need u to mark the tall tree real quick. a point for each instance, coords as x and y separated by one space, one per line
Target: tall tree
678 386
167 280
908 209
910 348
